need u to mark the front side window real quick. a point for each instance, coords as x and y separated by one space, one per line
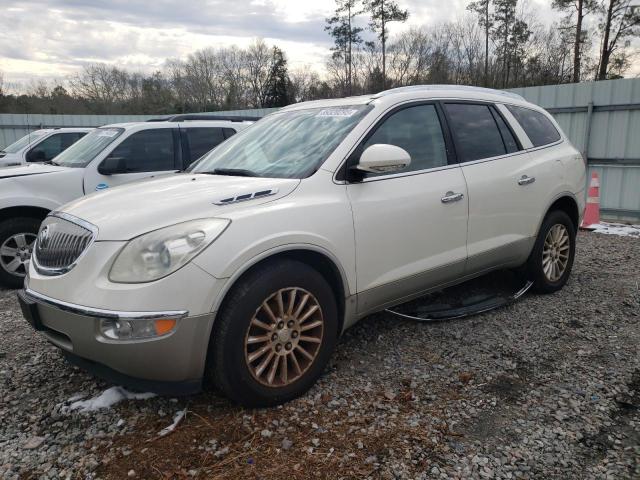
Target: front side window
475 130
417 130
146 151
536 125
51 146
24 141
81 153
290 144
201 140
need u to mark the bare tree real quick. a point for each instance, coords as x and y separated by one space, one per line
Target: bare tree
102 85
382 13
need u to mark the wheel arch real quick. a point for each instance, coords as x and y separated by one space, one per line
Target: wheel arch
24 211
567 203
317 258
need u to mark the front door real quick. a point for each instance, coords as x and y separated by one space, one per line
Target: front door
143 154
411 226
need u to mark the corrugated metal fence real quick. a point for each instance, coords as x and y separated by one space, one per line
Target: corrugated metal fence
601 118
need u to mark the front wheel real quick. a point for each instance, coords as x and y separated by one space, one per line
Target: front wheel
551 260
17 236
274 334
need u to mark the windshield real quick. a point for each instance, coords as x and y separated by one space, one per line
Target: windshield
283 145
24 141
80 154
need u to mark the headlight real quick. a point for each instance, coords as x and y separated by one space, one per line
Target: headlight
159 253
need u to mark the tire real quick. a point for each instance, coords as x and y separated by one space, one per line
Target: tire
11 231
239 322
552 280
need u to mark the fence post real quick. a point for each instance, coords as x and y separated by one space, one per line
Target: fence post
587 133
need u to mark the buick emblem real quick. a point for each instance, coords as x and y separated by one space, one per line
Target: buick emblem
43 237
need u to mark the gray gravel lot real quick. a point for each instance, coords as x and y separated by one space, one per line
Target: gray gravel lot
546 388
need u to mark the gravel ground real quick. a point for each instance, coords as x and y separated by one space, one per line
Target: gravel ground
546 388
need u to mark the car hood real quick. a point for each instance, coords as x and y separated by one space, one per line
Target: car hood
26 170
9 159
131 210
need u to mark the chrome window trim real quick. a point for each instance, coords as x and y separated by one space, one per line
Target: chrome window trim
101 313
52 272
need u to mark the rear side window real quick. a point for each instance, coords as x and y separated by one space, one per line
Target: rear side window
475 130
536 125
69 139
418 131
147 151
201 140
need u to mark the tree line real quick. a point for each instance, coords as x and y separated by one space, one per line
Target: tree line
498 44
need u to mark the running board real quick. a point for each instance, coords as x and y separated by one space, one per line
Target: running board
438 312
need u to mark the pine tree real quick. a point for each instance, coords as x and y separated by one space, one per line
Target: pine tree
382 13
278 85
345 36
622 21
582 9
481 8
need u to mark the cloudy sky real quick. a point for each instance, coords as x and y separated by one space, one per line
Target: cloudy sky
55 38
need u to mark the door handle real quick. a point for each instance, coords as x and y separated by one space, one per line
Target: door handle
526 180
450 197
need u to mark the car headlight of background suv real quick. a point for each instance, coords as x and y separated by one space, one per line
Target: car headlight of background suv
157 254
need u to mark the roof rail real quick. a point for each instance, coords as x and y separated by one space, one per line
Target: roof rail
194 116
467 88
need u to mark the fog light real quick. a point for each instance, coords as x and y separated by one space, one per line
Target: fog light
136 329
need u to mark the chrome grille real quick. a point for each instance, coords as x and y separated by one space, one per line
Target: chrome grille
61 241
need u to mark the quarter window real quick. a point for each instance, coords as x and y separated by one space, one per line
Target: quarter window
147 151
201 140
417 130
476 132
536 125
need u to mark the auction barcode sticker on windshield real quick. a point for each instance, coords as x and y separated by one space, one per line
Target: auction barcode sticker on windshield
107 133
337 112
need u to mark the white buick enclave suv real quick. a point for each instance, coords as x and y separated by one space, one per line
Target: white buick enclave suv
246 269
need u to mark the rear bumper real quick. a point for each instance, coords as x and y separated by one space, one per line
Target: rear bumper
170 364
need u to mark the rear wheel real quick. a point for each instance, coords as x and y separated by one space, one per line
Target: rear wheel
551 260
17 236
274 335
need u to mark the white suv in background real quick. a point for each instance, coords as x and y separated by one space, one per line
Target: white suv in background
40 146
245 270
107 157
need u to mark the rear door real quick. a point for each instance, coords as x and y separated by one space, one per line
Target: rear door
143 154
410 227
506 185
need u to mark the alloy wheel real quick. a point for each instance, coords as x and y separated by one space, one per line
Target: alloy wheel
15 253
555 252
284 337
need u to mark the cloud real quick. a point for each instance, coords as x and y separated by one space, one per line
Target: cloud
55 38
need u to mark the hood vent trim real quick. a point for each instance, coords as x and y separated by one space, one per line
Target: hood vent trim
246 196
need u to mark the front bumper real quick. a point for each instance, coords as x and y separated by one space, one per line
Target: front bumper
173 363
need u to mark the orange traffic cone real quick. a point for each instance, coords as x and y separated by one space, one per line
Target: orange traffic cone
592 211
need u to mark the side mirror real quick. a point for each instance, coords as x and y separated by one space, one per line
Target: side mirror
113 165
383 158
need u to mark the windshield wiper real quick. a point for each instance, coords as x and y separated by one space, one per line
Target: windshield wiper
232 172
51 162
